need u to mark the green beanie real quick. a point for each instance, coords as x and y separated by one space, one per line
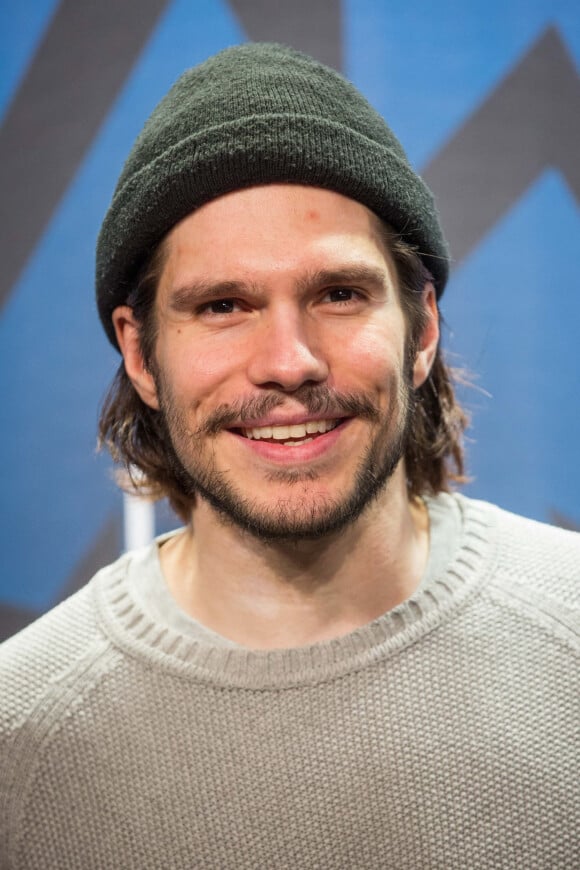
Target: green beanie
254 114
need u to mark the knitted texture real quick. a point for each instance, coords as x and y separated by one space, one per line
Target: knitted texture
257 114
441 735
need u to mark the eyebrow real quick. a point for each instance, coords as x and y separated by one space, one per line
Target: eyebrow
346 275
185 297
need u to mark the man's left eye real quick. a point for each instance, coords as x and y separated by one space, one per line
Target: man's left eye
222 306
341 294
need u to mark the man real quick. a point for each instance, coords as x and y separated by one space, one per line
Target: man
337 662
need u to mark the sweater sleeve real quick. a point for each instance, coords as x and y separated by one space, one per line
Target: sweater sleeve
32 663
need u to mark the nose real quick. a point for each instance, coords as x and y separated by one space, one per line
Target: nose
286 354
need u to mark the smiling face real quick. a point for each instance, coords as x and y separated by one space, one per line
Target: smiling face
280 361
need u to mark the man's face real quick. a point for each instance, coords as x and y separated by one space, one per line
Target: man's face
280 360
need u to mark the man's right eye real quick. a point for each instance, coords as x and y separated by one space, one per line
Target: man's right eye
220 306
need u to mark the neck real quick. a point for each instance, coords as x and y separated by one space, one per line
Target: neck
290 594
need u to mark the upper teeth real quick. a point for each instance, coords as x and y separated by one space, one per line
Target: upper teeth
299 430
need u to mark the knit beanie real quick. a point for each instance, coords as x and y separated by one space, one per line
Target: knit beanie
255 114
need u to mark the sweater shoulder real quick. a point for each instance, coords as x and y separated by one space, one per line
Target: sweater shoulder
546 557
535 564
39 658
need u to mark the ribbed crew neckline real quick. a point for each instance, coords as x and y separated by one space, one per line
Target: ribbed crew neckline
133 630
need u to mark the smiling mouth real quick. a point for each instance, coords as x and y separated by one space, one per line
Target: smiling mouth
289 436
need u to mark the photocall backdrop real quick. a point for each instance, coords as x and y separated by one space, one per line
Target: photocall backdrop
485 97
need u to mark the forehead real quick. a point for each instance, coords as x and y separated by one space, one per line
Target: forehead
276 228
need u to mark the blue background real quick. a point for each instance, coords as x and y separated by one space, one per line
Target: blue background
512 308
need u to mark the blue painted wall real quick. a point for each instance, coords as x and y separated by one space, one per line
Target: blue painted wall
512 308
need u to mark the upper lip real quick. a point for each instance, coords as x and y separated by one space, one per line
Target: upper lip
291 420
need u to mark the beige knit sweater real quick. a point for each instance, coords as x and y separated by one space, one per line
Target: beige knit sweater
442 735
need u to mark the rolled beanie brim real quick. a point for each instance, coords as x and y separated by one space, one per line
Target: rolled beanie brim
266 148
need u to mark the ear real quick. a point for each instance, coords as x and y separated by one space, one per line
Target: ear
127 332
429 338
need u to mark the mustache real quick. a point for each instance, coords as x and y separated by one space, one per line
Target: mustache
316 400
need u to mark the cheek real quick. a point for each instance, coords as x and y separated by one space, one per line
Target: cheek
373 354
197 369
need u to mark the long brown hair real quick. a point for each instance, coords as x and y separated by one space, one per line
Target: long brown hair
136 435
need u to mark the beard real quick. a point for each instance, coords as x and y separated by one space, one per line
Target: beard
304 514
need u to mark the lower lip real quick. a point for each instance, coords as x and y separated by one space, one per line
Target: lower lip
291 454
